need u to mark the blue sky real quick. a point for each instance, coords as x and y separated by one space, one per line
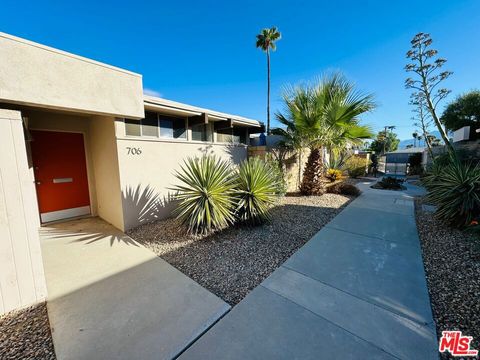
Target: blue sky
203 52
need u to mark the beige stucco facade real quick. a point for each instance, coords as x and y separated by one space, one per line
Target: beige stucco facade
46 89
41 76
106 169
147 176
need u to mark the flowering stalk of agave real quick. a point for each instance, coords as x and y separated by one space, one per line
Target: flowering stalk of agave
206 194
256 191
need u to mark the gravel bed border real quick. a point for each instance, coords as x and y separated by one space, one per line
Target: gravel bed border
452 265
232 262
25 334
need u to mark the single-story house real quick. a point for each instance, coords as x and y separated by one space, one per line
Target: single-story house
79 138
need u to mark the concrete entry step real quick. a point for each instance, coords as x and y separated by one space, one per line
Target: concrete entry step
111 298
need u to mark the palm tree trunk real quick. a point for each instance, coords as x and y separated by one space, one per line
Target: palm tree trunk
268 92
312 183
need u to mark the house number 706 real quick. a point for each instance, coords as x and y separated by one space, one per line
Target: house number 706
133 151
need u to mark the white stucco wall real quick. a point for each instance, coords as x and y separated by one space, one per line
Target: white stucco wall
22 279
146 177
105 164
34 74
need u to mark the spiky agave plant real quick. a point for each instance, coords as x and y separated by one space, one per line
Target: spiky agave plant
456 192
205 197
256 191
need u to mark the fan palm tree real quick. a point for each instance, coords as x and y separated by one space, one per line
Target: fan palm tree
419 138
266 41
324 115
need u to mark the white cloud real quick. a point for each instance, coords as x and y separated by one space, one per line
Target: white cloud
152 92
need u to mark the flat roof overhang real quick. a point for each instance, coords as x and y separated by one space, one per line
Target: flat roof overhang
198 114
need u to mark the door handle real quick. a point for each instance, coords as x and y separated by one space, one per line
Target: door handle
38 182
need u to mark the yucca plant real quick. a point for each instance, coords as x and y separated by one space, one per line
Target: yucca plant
256 191
455 189
206 201
432 175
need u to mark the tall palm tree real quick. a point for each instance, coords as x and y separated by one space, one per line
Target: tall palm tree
266 41
325 115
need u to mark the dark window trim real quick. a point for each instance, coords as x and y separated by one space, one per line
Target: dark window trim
140 123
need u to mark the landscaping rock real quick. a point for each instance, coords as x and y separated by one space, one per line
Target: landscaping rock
232 262
452 264
25 334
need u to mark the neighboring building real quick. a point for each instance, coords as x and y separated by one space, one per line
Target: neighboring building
466 140
79 138
401 162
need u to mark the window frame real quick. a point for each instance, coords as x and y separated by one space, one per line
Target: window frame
159 130
232 136
208 130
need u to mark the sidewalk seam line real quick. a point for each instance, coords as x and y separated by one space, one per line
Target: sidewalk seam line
357 297
363 235
336 325
193 341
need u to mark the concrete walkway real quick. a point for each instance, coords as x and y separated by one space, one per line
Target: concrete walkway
356 290
110 298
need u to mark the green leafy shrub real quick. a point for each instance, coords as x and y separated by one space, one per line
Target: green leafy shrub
334 174
206 196
455 188
344 189
355 166
256 189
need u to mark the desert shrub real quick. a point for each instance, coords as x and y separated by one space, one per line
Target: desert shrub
279 173
334 174
344 189
454 186
256 191
389 183
355 166
206 195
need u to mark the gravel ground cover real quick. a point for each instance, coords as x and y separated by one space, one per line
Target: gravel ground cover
452 264
232 262
25 334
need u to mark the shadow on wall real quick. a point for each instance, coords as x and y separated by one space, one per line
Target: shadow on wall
142 205
206 150
236 153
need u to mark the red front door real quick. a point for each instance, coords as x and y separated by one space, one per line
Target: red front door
60 174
